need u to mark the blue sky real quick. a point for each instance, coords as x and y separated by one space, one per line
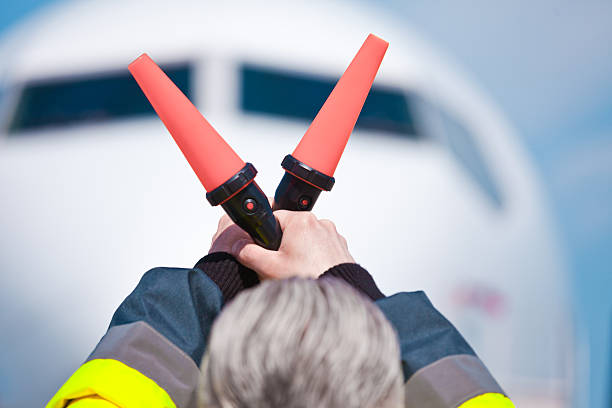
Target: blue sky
548 65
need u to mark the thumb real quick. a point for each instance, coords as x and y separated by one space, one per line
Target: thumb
261 260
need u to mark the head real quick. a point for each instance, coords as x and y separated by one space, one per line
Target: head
301 343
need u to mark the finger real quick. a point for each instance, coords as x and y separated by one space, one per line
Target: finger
224 221
233 233
253 256
329 224
343 240
283 217
306 219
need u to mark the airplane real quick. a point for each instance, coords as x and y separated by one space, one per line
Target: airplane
434 191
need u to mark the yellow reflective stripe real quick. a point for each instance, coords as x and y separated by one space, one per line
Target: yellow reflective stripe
489 400
112 381
91 402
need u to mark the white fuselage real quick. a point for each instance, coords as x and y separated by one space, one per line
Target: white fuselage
88 208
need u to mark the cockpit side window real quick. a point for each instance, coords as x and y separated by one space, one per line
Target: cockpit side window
464 148
83 99
293 95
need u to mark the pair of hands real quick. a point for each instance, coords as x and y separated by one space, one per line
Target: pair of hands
309 247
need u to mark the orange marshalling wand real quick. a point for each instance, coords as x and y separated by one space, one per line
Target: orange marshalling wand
211 158
324 141
228 180
310 169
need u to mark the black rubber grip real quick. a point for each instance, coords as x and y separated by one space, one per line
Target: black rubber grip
300 186
307 173
250 210
231 186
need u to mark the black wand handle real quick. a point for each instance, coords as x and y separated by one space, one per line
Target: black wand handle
248 207
250 210
300 186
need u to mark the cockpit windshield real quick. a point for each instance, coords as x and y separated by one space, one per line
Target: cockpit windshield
87 99
106 96
293 95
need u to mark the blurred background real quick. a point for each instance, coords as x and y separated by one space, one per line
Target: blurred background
497 114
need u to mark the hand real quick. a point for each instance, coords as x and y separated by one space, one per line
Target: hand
309 248
227 234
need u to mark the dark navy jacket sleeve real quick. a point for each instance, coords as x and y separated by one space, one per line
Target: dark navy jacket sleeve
162 327
180 304
425 335
440 369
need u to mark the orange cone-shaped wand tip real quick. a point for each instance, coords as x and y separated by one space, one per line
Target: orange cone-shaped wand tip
323 143
212 159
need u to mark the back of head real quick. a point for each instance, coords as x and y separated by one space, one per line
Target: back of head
301 343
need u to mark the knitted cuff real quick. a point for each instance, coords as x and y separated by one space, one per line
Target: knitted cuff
229 275
357 277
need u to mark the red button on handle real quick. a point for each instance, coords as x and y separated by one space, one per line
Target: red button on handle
304 203
250 205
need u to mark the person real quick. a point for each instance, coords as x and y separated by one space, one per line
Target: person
301 343
330 348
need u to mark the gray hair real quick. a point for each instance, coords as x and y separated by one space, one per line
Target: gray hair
301 343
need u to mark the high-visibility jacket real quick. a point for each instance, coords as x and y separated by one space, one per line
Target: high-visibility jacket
150 355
